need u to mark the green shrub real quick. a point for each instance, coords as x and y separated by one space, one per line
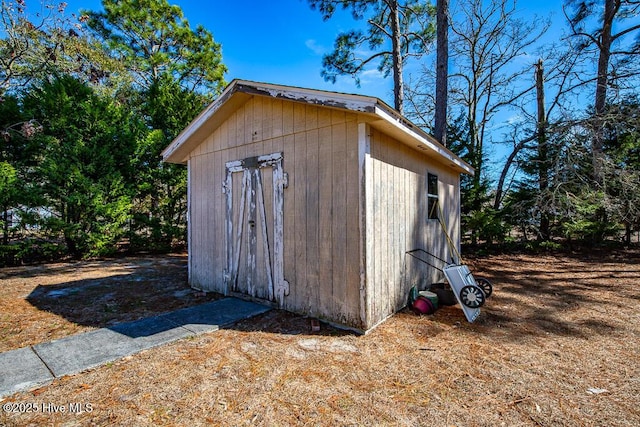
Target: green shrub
31 251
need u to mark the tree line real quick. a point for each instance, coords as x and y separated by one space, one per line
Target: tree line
88 102
486 78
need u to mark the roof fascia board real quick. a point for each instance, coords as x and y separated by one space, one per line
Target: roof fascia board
356 103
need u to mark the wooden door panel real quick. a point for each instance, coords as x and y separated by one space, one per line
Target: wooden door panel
254 227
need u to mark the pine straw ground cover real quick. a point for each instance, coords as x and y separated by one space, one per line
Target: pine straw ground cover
557 344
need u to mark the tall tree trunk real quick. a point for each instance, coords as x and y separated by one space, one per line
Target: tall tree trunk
442 61
398 95
543 151
611 7
606 39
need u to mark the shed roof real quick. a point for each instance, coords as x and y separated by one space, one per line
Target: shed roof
372 110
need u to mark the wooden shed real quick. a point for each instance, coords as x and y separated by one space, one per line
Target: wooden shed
309 200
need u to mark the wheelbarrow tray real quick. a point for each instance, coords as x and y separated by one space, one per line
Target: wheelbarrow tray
458 277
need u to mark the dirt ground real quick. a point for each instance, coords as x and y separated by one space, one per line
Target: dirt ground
557 344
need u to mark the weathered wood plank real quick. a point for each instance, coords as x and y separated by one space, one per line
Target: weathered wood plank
258 119
219 237
337 117
281 285
197 151
212 196
264 245
253 148
280 194
209 144
385 227
231 131
299 117
267 124
376 279
193 263
229 218
301 297
365 222
287 118
311 117
324 118
393 231
189 223
224 135
202 202
325 217
352 282
456 211
234 122
406 233
249 124
419 220
290 267
400 213
199 274
312 219
216 138
277 118
339 223
241 182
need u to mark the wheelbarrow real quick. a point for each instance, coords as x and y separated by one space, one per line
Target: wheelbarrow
471 293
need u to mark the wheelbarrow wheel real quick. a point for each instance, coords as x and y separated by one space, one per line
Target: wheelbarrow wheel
472 296
485 285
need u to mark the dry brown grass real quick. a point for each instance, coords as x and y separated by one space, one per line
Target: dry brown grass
556 327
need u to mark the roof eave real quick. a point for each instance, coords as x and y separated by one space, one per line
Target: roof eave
411 135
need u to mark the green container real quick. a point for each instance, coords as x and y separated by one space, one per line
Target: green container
413 295
430 296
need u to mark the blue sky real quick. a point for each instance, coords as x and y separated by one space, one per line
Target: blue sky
277 41
283 41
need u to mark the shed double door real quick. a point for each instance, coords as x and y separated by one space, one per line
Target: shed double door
255 226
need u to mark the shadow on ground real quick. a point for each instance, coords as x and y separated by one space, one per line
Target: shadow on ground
142 291
283 322
569 296
137 289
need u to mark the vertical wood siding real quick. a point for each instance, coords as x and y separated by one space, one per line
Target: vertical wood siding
321 240
397 221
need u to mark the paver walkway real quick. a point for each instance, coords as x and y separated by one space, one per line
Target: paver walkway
31 367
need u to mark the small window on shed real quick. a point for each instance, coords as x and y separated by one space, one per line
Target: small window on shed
432 196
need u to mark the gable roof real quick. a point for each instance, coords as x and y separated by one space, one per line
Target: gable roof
372 110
